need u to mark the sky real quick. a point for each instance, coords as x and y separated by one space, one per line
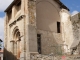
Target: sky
73 5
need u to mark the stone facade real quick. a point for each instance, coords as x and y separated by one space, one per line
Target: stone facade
36 27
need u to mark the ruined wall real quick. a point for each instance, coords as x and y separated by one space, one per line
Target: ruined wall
67 31
51 57
76 29
76 33
46 21
50 42
47 25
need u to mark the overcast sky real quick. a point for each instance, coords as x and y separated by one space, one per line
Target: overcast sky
73 5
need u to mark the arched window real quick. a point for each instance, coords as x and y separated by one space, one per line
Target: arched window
16 43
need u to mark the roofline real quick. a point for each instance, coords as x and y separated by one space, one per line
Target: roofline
11 5
61 4
15 1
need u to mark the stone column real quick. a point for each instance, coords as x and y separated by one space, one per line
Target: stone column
12 48
67 33
13 13
10 33
11 44
18 49
26 30
22 56
31 32
5 31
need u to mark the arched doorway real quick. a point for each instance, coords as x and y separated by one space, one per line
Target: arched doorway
16 43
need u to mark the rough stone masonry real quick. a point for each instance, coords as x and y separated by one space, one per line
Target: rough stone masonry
37 27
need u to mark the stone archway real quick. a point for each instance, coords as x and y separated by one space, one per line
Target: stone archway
16 43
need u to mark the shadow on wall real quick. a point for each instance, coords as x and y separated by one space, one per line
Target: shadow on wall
8 55
47 15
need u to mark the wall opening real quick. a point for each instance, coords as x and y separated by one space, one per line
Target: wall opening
58 27
39 43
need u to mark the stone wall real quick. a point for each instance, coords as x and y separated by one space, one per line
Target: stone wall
67 32
50 42
76 33
76 29
51 57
